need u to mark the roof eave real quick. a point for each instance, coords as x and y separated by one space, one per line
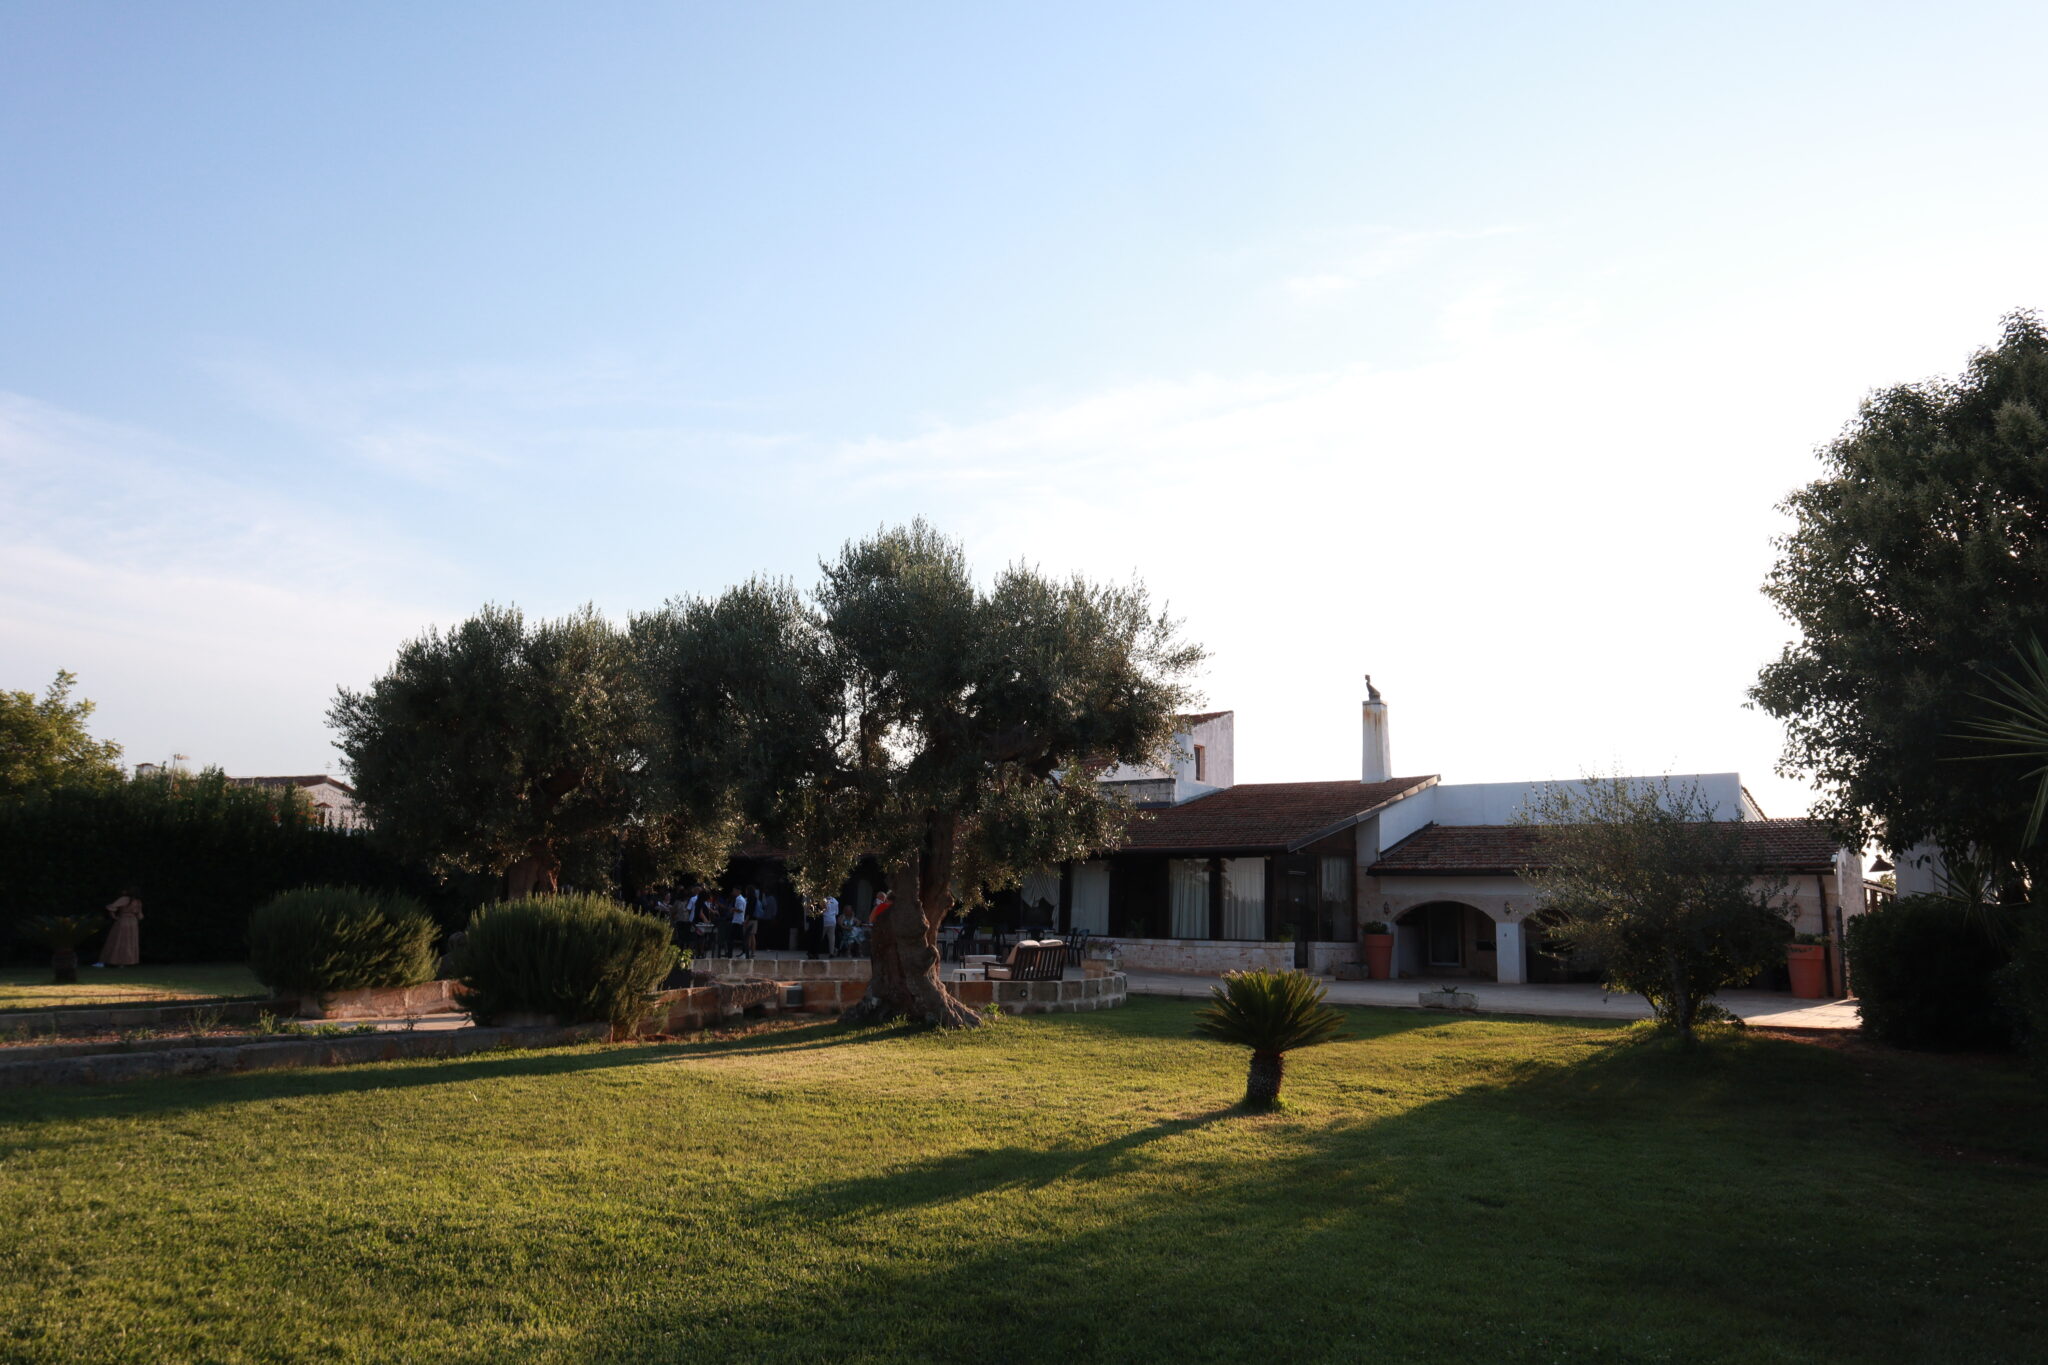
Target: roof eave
1351 820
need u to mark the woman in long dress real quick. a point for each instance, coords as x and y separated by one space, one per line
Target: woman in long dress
123 947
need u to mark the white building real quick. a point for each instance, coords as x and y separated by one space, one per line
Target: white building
1217 875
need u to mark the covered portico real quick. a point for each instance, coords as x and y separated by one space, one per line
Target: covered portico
1459 932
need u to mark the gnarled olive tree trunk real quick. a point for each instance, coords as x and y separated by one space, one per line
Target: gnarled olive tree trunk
533 875
904 946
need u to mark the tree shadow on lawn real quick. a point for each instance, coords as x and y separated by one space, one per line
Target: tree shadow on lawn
1629 1205
182 1094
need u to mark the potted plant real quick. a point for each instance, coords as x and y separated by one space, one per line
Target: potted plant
61 934
1379 950
1806 958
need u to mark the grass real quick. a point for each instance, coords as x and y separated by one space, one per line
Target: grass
30 988
1057 1189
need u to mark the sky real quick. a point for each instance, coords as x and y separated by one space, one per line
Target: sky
1471 346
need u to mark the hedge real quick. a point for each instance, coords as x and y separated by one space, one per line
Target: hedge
203 852
1927 973
340 938
580 958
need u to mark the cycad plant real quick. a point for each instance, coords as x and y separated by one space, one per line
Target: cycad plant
1272 1013
61 934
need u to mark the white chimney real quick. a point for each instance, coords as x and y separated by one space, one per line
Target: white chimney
1379 762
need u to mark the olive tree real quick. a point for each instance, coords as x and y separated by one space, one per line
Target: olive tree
1639 878
902 712
1917 572
502 747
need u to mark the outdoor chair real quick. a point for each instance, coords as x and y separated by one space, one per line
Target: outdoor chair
1030 961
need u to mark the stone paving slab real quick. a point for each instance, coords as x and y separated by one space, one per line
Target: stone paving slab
1765 1009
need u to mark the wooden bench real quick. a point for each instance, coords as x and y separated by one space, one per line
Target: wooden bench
1030 961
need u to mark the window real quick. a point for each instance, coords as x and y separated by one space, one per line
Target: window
1188 892
1244 898
1041 896
1201 764
1335 918
1090 910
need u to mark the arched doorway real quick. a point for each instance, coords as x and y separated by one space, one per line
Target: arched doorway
1446 939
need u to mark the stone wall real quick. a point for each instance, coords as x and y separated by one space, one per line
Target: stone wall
383 1002
701 1007
288 1054
1203 957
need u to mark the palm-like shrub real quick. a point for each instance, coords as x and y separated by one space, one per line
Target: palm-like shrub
1272 1013
61 934
576 957
320 939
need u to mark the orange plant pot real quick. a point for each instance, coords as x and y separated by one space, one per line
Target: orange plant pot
1379 956
1808 964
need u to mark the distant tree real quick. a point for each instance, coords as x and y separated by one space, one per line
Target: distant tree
44 742
1639 879
902 713
1918 568
502 748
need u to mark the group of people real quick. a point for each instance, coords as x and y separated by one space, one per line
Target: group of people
734 922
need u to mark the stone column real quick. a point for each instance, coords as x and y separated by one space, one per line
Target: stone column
1510 963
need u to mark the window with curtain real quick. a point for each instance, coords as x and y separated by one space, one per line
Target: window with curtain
1187 882
1043 885
1244 898
1337 920
1090 909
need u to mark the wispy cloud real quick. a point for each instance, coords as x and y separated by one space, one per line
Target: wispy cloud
202 615
1382 253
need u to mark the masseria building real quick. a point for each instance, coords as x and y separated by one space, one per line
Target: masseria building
1217 875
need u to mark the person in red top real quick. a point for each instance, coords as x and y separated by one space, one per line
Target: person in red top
882 902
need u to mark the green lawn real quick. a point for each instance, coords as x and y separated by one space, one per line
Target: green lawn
30 988
1062 1188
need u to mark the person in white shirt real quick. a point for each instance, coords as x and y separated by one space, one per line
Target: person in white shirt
832 926
739 925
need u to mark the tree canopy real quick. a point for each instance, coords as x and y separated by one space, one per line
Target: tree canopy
503 748
1918 571
902 712
1640 879
44 742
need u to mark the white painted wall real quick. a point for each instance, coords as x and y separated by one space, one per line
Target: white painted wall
1500 803
1218 738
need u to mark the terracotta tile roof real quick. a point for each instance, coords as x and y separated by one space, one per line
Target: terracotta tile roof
1189 722
1436 850
312 781
1262 816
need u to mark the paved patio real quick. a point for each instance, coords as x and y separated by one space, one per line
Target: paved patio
1766 1009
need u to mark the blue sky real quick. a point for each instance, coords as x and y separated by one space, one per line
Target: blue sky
1470 345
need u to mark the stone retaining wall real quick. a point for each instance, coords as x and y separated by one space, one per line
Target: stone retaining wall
787 969
288 1054
114 1019
383 1002
1204 957
700 1007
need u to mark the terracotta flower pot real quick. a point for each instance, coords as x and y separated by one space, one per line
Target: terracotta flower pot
1808 964
1379 956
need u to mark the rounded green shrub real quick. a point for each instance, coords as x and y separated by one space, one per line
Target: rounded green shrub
340 938
1926 973
580 958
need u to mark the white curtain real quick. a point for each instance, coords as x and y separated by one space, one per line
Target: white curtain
1043 885
1337 919
1188 882
1244 898
1090 909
